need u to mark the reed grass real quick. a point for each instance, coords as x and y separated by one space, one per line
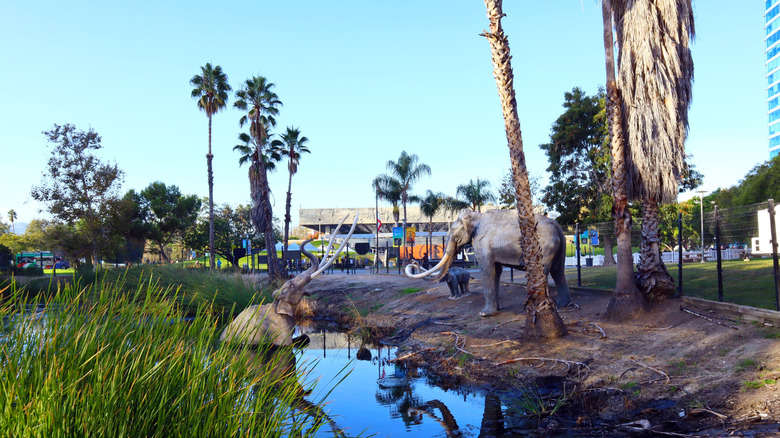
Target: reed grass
103 360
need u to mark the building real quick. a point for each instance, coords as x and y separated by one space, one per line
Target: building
772 17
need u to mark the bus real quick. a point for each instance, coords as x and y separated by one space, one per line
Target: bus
42 259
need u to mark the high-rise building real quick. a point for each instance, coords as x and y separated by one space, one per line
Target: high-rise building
772 26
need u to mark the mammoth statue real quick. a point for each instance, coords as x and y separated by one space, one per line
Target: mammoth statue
457 280
274 322
495 238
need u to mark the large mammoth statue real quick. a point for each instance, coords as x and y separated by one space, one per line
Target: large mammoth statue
495 238
274 322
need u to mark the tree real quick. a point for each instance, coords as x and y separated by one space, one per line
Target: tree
211 89
77 185
403 174
579 157
429 206
762 182
12 217
475 194
171 214
626 300
256 96
388 190
541 320
506 192
292 145
655 75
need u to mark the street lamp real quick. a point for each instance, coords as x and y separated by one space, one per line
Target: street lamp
701 198
319 234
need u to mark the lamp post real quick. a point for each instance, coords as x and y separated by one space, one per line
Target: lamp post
319 234
701 199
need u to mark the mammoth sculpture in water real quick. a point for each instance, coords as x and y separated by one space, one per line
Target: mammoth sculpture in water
495 236
274 322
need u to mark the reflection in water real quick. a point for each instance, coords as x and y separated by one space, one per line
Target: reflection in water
377 394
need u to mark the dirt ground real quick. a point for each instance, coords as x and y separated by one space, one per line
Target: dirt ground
683 374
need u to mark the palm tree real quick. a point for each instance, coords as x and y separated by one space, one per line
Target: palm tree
655 75
541 318
12 217
429 206
389 189
406 171
292 145
262 105
626 300
211 89
476 194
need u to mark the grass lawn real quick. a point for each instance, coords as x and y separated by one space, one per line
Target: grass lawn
747 283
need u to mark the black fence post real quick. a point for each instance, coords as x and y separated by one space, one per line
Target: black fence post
717 252
679 254
775 268
577 253
387 263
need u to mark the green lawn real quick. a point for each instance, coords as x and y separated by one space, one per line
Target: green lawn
747 283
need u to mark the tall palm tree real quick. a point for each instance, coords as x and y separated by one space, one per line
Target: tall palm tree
404 173
626 300
476 194
12 217
257 98
389 190
430 204
655 75
292 145
211 89
541 318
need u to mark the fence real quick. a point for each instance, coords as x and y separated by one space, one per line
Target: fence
721 254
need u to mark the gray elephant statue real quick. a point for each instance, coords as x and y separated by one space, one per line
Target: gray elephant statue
495 238
457 280
274 323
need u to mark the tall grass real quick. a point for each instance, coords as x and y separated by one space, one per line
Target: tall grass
99 361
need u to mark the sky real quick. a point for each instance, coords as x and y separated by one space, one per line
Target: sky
362 80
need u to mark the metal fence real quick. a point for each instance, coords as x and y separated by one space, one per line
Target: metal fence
724 238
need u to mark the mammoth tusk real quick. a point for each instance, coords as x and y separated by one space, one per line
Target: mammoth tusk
410 274
324 264
330 243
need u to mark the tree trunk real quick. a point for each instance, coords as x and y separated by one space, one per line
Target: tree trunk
209 158
626 301
541 320
287 219
652 278
262 215
609 257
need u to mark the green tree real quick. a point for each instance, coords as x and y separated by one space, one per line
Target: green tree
506 192
655 78
210 88
291 145
12 217
541 320
762 182
78 186
388 190
403 174
171 214
475 194
430 204
257 98
579 160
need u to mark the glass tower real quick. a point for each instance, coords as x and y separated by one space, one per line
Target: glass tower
772 16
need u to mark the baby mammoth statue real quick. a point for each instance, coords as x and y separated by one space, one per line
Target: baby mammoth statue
458 281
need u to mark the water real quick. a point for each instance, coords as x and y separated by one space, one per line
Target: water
385 399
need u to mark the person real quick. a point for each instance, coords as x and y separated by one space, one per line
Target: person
219 263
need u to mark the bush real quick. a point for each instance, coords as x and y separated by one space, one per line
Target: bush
32 271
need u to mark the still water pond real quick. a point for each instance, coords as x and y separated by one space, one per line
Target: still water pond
386 399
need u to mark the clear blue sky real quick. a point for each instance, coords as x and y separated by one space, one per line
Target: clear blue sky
363 80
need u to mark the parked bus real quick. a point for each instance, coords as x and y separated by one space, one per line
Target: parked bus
42 259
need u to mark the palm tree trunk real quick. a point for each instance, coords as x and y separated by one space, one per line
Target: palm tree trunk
287 220
654 280
209 158
609 256
626 300
262 214
541 318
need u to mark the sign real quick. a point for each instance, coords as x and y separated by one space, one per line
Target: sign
410 231
396 242
594 237
398 232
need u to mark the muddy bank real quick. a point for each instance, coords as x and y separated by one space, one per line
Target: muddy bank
669 370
